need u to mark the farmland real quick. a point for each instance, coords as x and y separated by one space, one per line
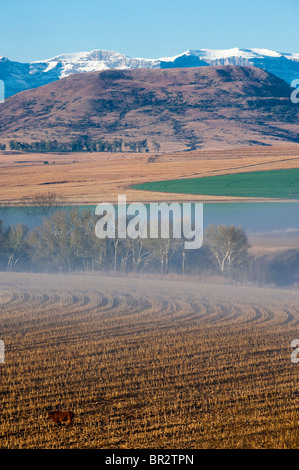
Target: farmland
278 184
147 363
91 178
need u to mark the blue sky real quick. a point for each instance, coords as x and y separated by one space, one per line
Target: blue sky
37 29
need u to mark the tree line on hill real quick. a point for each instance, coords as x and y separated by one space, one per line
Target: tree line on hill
66 242
82 144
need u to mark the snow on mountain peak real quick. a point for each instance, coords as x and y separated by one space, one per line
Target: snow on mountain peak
20 76
172 58
267 52
218 54
214 54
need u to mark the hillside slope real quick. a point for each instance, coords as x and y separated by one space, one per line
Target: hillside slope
180 109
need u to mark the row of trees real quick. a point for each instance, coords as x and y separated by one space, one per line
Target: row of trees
66 241
83 144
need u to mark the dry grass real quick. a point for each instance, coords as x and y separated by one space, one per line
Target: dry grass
94 178
147 363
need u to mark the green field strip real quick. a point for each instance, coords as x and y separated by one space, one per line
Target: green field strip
278 184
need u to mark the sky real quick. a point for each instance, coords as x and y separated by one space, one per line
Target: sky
36 29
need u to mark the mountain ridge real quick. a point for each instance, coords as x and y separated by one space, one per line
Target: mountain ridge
19 76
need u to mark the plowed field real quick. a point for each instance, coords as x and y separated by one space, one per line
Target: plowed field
147 363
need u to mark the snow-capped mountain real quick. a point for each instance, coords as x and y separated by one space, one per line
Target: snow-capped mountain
19 76
80 62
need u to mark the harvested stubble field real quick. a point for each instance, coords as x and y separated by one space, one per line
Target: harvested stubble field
147 363
91 178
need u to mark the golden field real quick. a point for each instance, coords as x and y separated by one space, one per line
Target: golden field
91 178
147 363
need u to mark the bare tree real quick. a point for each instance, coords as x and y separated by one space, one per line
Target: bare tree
41 204
141 254
228 246
15 245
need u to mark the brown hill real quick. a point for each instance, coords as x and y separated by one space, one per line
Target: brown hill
178 108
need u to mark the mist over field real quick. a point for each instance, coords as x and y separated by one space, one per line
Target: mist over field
237 248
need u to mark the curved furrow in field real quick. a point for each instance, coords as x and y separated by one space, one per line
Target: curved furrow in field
214 313
267 314
35 304
296 316
35 301
185 312
140 306
168 307
114 306
6 297
125 304
199 309
74 303
290 317
229 314
244 314
157 306
248 314
204 313
144 309
18 301
253 313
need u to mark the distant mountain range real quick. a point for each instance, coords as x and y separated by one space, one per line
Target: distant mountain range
19 76
178 108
